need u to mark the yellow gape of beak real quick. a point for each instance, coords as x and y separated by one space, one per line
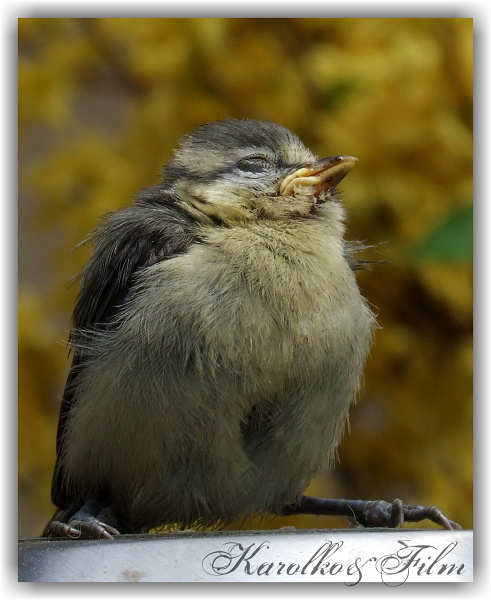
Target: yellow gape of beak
315 178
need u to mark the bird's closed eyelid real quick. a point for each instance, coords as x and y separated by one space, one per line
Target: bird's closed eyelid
256 157
254 163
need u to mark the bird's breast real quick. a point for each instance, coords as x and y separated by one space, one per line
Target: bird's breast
269 302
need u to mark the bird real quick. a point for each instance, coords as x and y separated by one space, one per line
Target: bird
218 339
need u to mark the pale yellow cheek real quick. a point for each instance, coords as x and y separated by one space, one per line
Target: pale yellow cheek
223 212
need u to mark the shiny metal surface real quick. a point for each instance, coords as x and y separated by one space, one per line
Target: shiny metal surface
351 556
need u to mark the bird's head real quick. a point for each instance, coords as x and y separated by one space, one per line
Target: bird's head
236 170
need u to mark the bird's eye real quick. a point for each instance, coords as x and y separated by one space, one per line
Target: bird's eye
253 164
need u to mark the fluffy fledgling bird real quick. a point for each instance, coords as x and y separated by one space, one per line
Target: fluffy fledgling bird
219 338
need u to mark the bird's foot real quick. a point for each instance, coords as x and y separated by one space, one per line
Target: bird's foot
86 523
372 513
82 529
380 513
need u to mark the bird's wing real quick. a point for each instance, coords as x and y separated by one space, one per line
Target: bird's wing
151 230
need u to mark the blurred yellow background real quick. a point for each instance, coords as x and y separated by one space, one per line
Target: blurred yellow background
103 101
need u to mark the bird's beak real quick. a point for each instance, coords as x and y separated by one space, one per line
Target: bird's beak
314 178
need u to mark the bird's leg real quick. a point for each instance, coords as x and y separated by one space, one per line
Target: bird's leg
91 520
371 513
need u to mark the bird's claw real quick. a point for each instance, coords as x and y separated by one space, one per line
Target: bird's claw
90 528
380 513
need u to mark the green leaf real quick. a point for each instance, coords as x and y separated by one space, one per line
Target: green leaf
450 241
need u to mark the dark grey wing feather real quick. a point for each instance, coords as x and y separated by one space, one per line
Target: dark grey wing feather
151 230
